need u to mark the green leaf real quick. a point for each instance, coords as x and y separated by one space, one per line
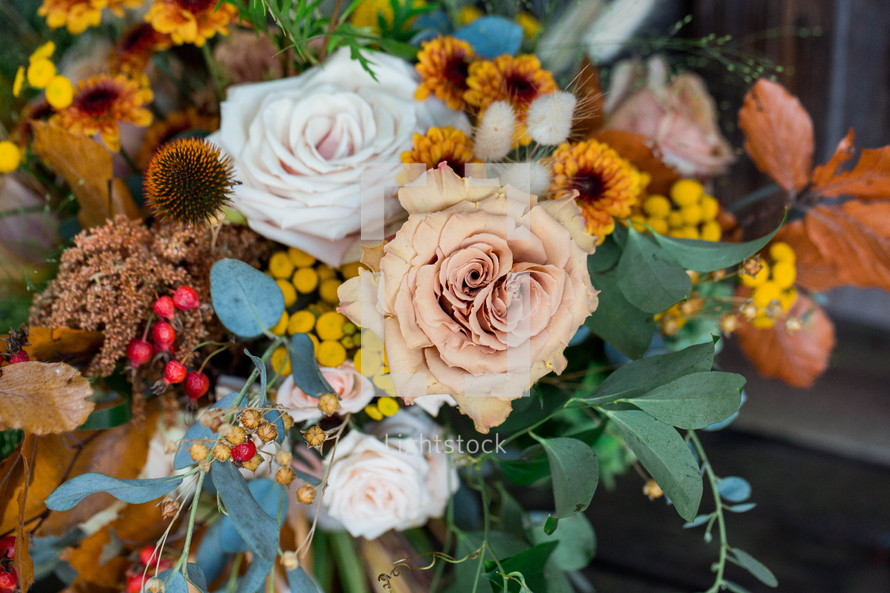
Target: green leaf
575 472
304 367
195 576
642 376
108 417
550 524
606 256
665 455
576 542
531 466
529 563
741 508
649 277
734 489
734 587
708 256
247 301
617 321
755 567
695 400
69 494
258 529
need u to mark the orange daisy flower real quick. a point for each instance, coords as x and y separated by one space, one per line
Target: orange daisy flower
134 50
518 80
607 184
191 21
443 65
176 124
442 144
103 101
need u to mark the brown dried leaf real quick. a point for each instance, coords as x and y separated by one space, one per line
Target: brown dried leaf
778 134
638 150
23 564
854 238
87 168
589 111
59 344
798 359
868 180
43 398
814 272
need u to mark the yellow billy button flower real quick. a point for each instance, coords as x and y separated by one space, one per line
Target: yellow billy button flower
10 157
468 14
281 361
659 225
686 192
372 411
766 293
301 322
280 328
388 406
756 279
40 73
289 292
299 258
711 231
350 270
710 207
305 280
59 92
44 52
19 81
784 274
782 252
530 25
330 353
330 326
280 265
328 291
657 206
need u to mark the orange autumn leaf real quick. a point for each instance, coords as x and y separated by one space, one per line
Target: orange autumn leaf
868 180
814 272
87 168
778 135
797 358
638 150
43 398
855 239
589 112
23 563
59 344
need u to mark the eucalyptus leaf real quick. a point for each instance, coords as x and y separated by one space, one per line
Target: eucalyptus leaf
574 469
196 577
755 567
69 494
665 455
616 320
708 256
734 489
741 508
256 574
211 556
247 301
695 400
492 36
261 369
734 587
304 367
300 582
700 520
642 376
649 277
174 581
267 493
258 529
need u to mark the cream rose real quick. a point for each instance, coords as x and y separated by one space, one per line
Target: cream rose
479 292
388 479
304 147
354 390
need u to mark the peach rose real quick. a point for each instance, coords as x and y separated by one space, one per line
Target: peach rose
478 293
678 115
354 390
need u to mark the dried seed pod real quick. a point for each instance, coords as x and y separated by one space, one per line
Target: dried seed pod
253 463
284 458
306 494
236 436
315 436
199 451
250 419
222 452
328 404
285 475
267 432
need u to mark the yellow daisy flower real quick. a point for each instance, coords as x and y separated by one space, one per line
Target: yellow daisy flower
191 21
443 65
442 144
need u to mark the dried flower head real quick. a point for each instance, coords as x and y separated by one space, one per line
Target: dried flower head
306 494
328 404
253 463
267 432
494 136
315 436
222 452
289 560
652 490
188 181
199 451
250 419
169 507
236 436
549 119
285 475
284 458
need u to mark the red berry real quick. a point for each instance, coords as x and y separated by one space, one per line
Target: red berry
139 351
146 555
8 580
196 384
164 307
244 452
186 298
163 334
20 356
134 584
7 547
174 372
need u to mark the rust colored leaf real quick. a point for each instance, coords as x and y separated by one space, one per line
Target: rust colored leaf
87 168
60 344
797 358
589 110
868 180
814 272
778 134
638 150
43 398
855 239
23 564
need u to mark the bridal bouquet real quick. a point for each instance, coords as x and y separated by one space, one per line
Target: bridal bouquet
330 297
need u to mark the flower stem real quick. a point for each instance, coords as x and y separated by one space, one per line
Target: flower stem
183 560
718 512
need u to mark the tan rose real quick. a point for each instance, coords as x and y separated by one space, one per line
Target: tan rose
479 292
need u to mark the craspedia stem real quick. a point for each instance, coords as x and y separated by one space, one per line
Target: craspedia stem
188 181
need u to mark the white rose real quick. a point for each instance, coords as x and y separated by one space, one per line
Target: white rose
354 390
397 483
303 148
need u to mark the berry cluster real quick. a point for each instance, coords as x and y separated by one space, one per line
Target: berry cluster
136 572
8 577
163 338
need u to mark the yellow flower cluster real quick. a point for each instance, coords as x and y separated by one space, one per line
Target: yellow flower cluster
41 74
79 15
690 213
773 286
310 296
